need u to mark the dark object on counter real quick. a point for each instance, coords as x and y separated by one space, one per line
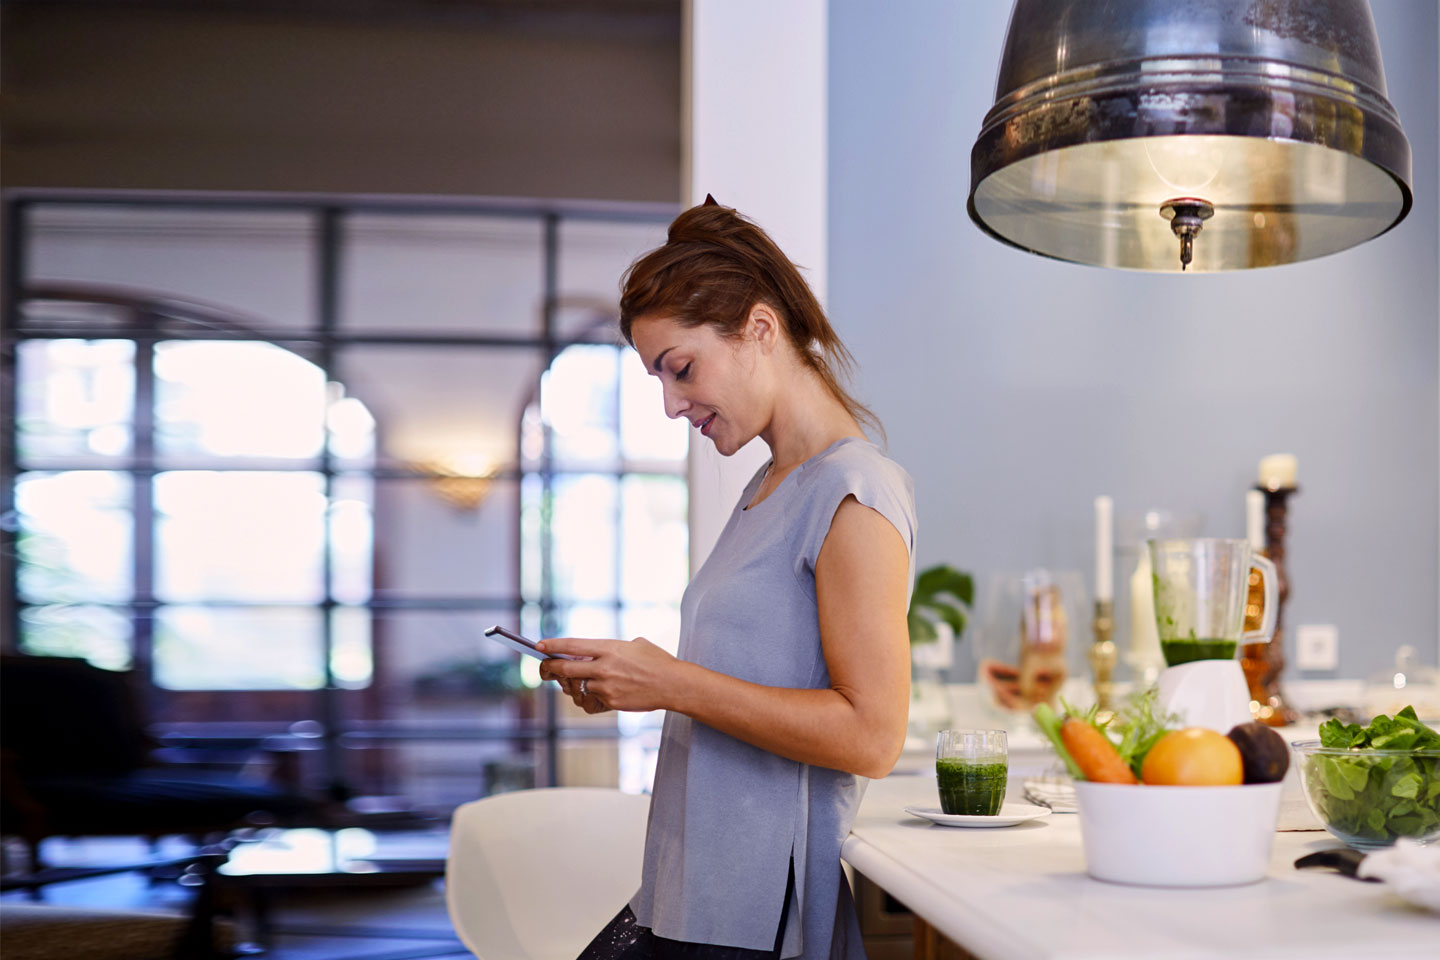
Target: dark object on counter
1345 860
1263 752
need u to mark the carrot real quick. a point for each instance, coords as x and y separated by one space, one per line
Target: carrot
1094 754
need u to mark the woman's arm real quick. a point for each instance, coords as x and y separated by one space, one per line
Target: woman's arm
857 724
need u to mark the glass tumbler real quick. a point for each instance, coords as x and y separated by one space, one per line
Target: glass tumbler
970 768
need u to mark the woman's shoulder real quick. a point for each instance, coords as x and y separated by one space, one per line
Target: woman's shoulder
858 468
856 458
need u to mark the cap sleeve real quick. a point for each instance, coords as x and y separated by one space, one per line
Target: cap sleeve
873 480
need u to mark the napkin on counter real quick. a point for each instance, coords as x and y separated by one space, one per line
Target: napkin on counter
1410 868
1057 793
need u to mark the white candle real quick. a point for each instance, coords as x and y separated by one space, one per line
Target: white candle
1277 471
1255 519
1104 550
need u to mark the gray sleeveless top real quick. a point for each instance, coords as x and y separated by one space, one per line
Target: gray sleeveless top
726 817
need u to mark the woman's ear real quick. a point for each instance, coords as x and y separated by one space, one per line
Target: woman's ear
763 326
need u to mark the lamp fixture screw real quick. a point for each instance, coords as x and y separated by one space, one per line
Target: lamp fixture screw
1187 215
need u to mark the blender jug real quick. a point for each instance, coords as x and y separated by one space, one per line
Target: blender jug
1200 591
1201 587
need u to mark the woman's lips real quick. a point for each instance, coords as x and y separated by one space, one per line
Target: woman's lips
704 425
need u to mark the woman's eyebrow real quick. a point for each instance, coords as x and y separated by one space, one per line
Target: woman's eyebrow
661 357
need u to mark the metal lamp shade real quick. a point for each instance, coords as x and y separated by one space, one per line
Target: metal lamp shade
1274 112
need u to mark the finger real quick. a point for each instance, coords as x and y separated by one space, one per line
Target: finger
573 670
577 646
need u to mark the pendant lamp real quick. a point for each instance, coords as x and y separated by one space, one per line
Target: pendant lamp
1199 135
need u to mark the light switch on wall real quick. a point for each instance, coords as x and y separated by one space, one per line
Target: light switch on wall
1317 646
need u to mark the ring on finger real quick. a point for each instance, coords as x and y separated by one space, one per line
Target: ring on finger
584 681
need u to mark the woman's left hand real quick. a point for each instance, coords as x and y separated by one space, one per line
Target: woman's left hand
620 675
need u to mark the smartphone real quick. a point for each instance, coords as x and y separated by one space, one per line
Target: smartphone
518 643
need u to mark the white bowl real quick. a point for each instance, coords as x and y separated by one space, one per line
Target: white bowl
1177 836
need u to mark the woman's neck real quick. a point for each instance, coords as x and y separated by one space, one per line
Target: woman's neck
808 419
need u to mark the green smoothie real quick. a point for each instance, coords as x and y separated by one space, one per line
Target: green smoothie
1185 649
971 787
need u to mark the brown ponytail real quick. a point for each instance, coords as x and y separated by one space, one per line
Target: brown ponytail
713 268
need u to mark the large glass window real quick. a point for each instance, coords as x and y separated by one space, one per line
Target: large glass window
288 465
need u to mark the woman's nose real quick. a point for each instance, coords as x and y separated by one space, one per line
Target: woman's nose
674 405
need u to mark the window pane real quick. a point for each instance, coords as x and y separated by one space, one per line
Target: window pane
579 401
583 537
584 620
532 509
444 655
351 660
655 537
426 274
646 433
237 400
215 648
102 635
352 430
75 536
658 623
76 398
239 536
259 264
352 538
442 406
431 547
593 257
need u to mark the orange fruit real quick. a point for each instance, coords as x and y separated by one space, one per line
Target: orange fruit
1193 757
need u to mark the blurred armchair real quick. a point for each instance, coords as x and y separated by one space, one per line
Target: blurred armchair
77 761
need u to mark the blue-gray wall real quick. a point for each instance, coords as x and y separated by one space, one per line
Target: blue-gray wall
1015 388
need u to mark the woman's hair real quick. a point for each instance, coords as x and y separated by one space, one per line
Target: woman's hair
714 267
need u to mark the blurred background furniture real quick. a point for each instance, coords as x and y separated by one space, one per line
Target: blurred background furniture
537 873
79 762
40 931
273 864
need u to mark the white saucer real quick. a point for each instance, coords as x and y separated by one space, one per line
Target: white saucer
1009 815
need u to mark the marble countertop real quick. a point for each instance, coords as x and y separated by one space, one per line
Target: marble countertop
1022 892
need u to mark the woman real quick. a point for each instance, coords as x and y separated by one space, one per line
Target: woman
792 681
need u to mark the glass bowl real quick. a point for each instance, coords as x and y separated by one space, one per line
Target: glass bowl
1369 798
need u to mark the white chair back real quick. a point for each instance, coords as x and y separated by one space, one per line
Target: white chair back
535 874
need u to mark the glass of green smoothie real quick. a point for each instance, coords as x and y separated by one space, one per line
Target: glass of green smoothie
1201 589
971 767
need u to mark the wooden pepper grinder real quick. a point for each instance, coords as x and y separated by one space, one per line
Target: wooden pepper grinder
1263 662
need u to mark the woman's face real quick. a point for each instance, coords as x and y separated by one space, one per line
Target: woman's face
719 385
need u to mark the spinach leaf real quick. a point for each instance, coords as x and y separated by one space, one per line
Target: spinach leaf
1377 797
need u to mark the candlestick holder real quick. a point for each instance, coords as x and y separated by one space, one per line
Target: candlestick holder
1264 662
1102 654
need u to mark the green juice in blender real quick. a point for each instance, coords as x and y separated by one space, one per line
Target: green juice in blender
1185 649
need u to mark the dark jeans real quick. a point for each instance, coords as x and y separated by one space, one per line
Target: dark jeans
624 939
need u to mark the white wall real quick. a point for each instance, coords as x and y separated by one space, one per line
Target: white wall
755 138
1015 388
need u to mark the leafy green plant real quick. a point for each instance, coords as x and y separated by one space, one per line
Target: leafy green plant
1378 796
942 595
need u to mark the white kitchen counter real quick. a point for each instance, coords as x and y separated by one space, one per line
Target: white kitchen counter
1021 892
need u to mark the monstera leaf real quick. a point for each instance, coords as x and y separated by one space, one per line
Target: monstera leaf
942 594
